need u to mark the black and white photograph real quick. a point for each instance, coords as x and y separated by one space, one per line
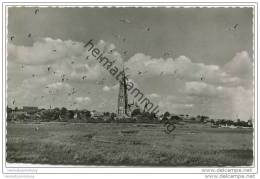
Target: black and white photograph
130 86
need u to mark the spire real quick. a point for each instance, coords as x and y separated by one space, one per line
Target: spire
122 97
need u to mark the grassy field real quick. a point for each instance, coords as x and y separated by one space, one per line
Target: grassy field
128 144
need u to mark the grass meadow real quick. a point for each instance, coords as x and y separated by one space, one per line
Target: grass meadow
125 144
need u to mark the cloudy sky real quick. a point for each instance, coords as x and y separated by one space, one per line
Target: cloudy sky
193 60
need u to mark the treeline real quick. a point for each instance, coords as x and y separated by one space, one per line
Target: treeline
65 115
223 122
137 116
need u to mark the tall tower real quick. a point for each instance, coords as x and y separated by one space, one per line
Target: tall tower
122 98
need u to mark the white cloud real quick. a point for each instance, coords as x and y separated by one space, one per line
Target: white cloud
174 107
45 51
106 88
200 88
109 88
189 105
154 95
64 57
59 85
240 65
83 99
182 68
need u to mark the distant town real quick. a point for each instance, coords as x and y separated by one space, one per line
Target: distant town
35 114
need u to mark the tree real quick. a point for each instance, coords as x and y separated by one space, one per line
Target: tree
113 115
203 118
9 109
106 114
166 114
229 122
9 114
136 112
193 118
165 117
71 114
88 114
153 115
63 111
176 118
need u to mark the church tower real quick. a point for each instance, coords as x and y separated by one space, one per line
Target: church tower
122 98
